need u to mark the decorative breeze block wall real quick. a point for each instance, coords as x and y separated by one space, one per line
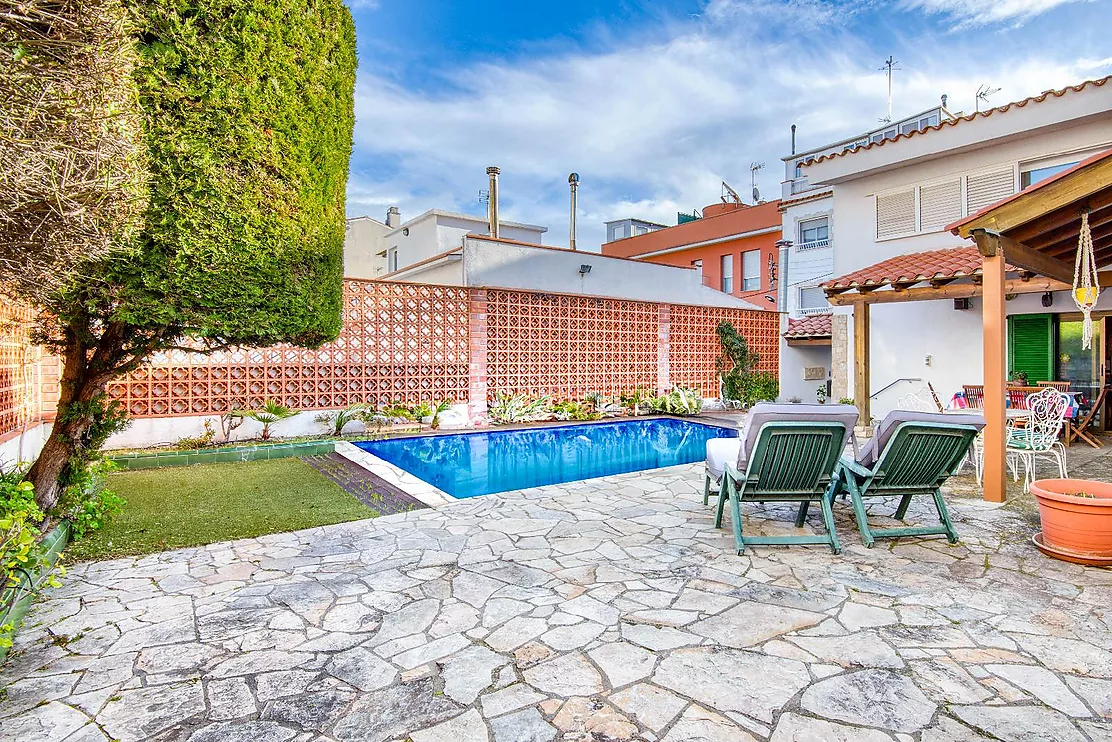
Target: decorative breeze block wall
693 338
28 377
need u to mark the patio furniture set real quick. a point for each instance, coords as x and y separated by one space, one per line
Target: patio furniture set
794 453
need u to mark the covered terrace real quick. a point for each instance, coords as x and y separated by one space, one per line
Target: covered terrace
1023 244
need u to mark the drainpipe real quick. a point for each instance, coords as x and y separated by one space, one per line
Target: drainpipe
573 183
782 275
492 212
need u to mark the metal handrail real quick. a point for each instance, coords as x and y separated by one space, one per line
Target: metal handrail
897 381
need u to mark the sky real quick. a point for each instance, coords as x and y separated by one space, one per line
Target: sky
655 103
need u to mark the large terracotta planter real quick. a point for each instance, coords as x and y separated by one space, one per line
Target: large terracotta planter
1078 529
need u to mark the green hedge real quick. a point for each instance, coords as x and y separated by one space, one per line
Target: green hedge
248 106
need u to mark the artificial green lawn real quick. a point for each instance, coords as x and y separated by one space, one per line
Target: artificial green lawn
196 505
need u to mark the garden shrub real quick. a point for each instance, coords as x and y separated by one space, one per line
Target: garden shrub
87 502
736 363
759 386
20 553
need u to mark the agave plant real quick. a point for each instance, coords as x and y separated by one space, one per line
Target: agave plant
518 408
270 413
351 414
441 406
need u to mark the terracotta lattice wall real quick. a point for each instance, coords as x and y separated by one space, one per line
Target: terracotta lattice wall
415 342
28 377
694 344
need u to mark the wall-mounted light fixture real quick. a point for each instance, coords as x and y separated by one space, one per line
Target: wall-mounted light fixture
584 269
1048 299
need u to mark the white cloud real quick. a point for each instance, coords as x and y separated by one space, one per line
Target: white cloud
652 128
972 13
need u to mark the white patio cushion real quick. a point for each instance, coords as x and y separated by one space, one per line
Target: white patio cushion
887 427
721 451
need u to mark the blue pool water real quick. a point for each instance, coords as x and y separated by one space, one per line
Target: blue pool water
470 464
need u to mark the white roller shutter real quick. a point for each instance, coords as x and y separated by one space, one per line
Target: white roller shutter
895 214
939 205
983 189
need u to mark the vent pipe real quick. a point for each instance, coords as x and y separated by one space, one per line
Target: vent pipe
573 183
492 209
793 139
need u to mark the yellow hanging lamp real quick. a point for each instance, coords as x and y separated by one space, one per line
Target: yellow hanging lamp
1086 285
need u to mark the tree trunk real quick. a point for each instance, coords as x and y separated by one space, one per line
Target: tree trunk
78 388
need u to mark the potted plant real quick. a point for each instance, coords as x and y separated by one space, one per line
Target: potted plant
1076 516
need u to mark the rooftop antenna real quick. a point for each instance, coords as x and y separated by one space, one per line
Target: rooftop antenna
729 195
755 168
983 93
890 65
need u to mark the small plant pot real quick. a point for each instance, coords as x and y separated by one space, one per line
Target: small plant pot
1075 528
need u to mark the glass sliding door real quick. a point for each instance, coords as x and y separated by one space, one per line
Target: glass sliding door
1084 369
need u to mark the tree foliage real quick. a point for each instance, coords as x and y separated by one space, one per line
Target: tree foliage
736 363
248 113
72 169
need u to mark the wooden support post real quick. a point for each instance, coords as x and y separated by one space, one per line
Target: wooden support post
861 388
993 319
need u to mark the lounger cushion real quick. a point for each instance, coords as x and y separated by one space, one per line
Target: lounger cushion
892 420
770 412
721 451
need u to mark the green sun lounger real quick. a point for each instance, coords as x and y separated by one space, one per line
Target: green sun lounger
918 452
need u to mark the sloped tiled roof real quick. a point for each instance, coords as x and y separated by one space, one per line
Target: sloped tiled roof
955 262
811 326
969 117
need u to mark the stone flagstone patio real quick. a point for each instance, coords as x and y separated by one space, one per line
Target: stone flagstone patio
602 610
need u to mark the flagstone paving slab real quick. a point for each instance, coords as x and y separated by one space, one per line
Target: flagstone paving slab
604 609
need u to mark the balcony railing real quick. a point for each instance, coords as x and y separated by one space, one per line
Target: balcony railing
814 310
812 245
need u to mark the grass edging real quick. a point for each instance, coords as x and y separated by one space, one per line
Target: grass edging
53 544
225 455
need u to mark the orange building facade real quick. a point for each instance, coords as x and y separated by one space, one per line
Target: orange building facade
734 246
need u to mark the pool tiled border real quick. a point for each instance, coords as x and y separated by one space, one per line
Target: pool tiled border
416 488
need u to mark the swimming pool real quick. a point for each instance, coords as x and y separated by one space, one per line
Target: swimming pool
470 464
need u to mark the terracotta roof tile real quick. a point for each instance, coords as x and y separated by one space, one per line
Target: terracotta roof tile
969 117
811 326
955 262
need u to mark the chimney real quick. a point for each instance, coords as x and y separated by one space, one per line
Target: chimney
573 183
393 217
492 209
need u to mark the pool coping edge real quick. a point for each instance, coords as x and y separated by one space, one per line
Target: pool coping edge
418 489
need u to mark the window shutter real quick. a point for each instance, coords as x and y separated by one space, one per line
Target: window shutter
895 214
988 188
1030 346
939 204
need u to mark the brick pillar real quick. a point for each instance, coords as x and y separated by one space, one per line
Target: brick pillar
663 344
477 357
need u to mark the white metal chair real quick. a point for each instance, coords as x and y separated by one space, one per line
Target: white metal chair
916 402
1039 435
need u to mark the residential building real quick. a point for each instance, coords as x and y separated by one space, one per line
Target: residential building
733 247
622 228
484 261
364 245
435 232
807 259
894 196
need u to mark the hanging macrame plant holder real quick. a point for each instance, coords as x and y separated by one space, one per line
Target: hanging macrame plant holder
1086 285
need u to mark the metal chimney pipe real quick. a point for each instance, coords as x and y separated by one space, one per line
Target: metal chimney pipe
492 211
793 139
573 183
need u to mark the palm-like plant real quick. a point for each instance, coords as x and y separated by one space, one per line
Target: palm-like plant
270 413
351 414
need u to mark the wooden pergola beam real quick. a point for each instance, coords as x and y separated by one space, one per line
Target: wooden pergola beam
991 244
952 291
1064 217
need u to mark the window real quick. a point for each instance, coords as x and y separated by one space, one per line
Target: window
618 231
751 270
983 189
391 260
812 300
640 229
1029 177
895 214
728 274
813 234
939 205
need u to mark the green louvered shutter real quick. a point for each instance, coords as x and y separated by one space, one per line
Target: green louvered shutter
1031 346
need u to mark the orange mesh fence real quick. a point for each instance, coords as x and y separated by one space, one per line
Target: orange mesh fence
694 342
569 346
413 343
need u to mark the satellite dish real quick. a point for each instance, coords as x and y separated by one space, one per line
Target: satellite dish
756 195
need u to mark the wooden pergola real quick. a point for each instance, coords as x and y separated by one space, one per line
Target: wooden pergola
1024 244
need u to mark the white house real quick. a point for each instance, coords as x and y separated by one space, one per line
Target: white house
807 259
484 261
364 246
895 196
436 231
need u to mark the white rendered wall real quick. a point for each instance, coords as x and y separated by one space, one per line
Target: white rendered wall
809 267
434 234
498 264
363 241
793 360
25 448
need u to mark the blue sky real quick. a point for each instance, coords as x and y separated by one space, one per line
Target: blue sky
654 103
